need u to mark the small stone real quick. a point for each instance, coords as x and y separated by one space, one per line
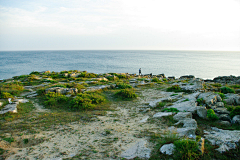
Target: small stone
167 149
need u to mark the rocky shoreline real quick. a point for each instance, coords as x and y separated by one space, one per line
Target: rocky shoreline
188 101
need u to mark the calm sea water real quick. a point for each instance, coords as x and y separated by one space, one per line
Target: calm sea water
202 64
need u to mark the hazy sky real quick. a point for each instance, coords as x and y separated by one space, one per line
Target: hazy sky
120 24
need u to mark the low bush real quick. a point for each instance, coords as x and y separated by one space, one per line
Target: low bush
174 88
52 99
86 101
123 85
200 101
34 72
235 111
216 85
236 86
171 110
226 90
5 95
155 80
211 115
13 88
126 94
221 95
161 104
186 149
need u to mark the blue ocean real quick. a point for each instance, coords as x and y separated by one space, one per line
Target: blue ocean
201 64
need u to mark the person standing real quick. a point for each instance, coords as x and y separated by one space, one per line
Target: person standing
140 72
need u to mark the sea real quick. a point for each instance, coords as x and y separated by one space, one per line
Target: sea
201 64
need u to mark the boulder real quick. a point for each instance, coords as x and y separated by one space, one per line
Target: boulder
188 123
224 117
202 112
144 120
225 123
232 99
188 106
221 111
162 114
210 98
224 138
138 149
182 115
9 108
187 132
167 149
193 86
236 119
219 105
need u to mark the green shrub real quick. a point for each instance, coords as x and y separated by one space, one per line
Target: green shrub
155 80
211 115
235 111
226 90
13 88
6 95
35 72
200 101
52 99
216 85
236 86
122 76
86 101
171 110
174 88
1 151
186 149
126 93
10 139
123 85
221 95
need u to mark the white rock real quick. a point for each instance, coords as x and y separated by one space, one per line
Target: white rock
202 112
167 149
188 106
182 116
162 114
144 120
236 119
9 108
137 150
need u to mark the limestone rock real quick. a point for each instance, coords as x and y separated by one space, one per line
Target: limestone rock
210 98
188 106
219 104
224 117
224 138
137 150
144 120
236 119
62 90
188 123
182 115
162 114
167 149
202 112
9 108
221 111
232 99
193 86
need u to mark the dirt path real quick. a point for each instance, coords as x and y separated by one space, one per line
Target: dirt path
105 138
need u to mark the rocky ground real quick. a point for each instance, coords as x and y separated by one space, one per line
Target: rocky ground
123 132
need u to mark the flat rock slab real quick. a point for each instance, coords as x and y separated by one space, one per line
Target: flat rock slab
137 150
9 108
182 115
144 120
167 149
187 106
226 139
162 114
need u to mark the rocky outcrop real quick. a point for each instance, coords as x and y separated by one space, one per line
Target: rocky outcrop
232 99
62 90
210 98
236 119
188 106
187 77
225 139
9 108
167 149
138 149
227 79
162 114
192 86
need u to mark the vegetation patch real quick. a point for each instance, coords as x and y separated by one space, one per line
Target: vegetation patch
174 88
126 94
234 111
211 115
226 90
123 85
171 110
186 149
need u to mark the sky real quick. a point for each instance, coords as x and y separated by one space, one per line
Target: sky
120 25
